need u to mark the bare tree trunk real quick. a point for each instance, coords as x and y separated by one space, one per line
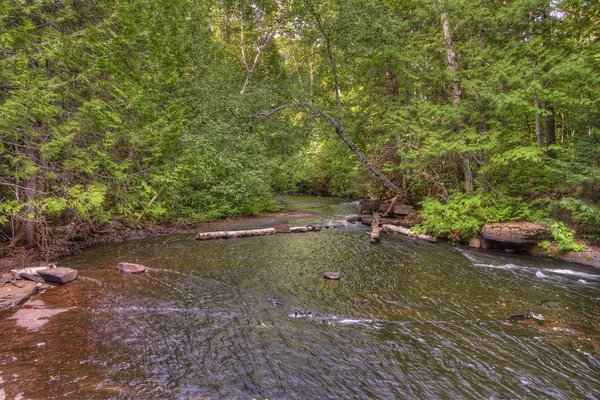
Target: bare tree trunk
250 69
311 87
550 127
30 191
338 123
539 136
457 93
451 59
225 28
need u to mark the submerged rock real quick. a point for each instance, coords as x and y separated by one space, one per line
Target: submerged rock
15 293
530 316
34 318
58 275
129 268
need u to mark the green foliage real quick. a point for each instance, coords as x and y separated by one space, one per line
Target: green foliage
9 209
564 238
580 213
462 216
140 110
85 201
459 218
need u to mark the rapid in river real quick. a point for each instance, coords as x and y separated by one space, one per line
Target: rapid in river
254 318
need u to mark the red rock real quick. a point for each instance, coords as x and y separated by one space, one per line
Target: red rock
332 275
12 294
131 268
58 275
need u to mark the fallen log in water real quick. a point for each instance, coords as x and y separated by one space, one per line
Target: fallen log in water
375 228
407 232
255 232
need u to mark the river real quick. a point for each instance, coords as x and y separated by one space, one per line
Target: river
254 318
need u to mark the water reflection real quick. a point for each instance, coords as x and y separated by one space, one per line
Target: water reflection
253 318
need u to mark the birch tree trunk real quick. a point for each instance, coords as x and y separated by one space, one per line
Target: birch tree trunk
457 93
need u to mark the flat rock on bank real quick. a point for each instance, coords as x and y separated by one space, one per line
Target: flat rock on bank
526 233
15 293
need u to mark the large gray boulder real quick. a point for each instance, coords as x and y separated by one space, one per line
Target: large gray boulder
58 275
526 233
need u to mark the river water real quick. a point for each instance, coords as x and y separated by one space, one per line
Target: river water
254 318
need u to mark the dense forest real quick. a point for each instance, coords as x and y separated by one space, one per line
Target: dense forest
179 111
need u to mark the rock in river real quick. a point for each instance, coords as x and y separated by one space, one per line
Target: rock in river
332 275
12 294
58 275
131 268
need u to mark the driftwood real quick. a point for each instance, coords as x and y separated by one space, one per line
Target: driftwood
253 232
390 210
407 232
375 228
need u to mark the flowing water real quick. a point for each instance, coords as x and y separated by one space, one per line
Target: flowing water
254 318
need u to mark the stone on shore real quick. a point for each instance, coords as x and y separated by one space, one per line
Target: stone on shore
590 256
15 293
526 233
31 277
58 275
404 210
130 268
475 243
6 277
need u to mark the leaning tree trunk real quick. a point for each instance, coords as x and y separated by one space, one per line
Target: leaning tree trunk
337 122
342 135
370 166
